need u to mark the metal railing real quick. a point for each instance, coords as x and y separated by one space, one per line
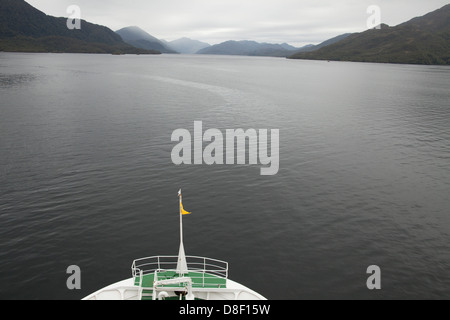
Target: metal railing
201 269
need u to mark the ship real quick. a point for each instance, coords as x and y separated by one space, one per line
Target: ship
178 277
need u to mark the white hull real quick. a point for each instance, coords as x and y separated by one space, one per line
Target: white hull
126 290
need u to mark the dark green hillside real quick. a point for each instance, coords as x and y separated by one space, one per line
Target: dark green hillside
422 40
23 28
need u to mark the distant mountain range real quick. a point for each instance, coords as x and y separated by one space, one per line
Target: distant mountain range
252 48
24 28
188 46
246 48
139 38
422 40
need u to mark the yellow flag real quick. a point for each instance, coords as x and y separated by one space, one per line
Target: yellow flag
182 209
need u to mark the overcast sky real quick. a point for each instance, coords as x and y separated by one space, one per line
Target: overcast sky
297 22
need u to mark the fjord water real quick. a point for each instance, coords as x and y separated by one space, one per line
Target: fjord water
87 177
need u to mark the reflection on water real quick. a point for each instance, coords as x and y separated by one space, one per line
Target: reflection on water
12 80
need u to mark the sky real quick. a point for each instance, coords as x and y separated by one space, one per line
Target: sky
297 22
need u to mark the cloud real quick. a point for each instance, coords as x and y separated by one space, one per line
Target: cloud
214 21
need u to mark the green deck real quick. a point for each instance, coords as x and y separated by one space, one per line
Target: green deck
199 280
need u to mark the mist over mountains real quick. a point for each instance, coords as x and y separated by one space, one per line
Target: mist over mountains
421 40
141 39
138 38
187 46
253 48
248 48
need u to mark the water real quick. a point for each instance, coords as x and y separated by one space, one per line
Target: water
87 177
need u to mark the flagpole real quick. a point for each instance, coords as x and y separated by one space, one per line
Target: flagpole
181 217
182 264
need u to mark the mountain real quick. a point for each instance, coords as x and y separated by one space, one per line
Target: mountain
248 48
422 40
138 38
187 46
309 48
252 48
24 28
287 46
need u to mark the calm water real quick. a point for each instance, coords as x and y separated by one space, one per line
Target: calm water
87 178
